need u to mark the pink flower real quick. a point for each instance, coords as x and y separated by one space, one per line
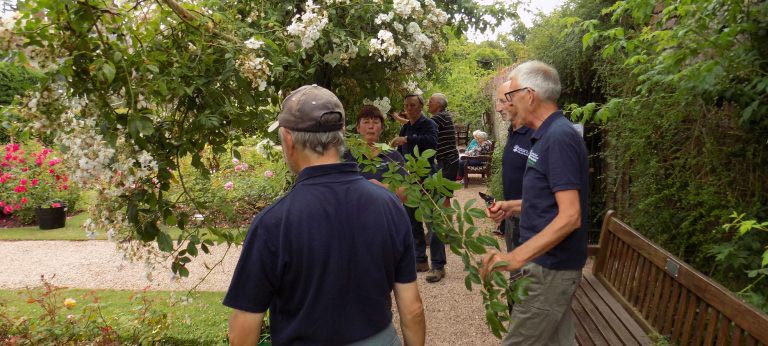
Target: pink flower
38 161
269 174
8 209
51 171
17 207
229 185
55 205
20 189
2 203
24 169
66 187
35 181
238 168
24 200
23 182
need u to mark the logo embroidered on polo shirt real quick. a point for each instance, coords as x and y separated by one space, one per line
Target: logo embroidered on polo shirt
532 159
519 150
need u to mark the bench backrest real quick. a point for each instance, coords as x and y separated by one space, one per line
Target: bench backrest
666 295
462 134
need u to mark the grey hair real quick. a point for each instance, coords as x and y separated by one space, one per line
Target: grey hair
539 76
482 134
319 142
417 96
441 100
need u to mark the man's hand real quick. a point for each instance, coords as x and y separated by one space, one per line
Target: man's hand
493 256
504 209
377 182
398 141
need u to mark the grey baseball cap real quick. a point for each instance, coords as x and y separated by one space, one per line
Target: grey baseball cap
312 108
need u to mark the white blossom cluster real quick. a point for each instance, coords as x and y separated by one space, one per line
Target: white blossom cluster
382 104
409 43
309 25
253 66
407 8
384 46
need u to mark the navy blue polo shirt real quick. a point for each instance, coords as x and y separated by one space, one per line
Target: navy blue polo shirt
422 133
324 259
381 167
513 161
557 162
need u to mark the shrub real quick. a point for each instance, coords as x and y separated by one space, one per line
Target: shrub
240 188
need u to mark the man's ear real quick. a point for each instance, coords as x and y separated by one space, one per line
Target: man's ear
286 138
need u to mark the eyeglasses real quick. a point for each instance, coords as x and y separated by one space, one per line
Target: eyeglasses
508 95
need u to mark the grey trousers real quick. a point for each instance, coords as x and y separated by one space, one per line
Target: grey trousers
386 337
544 317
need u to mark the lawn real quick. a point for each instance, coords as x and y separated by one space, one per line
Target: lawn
71 231
200 320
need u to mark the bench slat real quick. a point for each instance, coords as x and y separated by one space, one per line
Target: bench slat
712 320
682 311
582 339
736 340
690 317
649 303
626 314
666 328
592 330
701 323
612 328
722 336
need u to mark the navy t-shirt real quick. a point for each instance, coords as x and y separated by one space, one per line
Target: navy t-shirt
513 161
324 259
381 167
422 134
557 162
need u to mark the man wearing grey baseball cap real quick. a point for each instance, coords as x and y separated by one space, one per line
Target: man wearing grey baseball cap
325 257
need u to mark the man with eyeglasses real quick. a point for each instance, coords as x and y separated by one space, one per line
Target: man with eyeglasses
513 161
554 218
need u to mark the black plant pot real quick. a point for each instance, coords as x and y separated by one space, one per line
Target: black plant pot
51 218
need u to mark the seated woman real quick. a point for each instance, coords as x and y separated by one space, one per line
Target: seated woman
370 125
473 144
483 148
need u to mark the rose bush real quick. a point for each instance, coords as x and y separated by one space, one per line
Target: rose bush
33 176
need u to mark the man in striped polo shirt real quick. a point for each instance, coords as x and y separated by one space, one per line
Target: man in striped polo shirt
447 160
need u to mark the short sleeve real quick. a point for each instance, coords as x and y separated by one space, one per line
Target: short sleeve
565 162
255 279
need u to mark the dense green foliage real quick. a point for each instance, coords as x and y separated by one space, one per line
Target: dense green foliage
461 78
678 89
15 80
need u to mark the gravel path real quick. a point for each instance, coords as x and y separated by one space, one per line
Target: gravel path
455 316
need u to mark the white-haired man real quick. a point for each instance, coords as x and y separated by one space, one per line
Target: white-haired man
554 219
325 257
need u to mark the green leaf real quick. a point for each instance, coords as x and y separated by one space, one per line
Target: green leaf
164 242
171 220
108 71
183 272
140 124
192 249
474 246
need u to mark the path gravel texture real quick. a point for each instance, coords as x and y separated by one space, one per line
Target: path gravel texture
455 316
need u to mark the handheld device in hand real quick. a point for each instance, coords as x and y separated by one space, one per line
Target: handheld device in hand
489 200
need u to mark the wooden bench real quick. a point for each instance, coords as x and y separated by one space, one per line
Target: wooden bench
484 169
636 288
